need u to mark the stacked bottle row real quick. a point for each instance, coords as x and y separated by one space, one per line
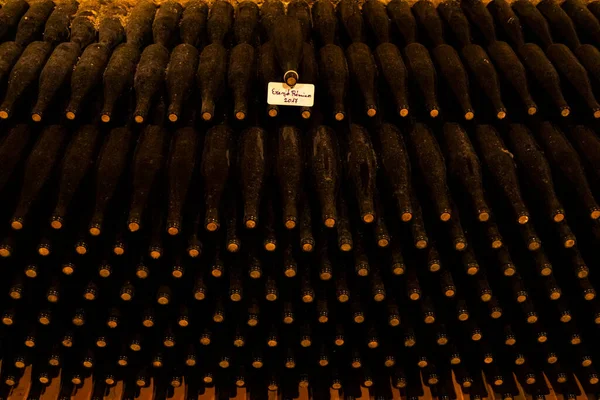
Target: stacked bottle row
223 60
372 253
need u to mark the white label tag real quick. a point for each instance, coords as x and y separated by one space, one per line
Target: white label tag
280 94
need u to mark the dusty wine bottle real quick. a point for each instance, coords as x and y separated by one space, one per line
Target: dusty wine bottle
138 29
536 22
31 25
505 16
364 74
352 20
362 170
10 16
426 13
325 165
179 170
325 22
289 172
216 156
166 22
377 19
245 23
479 16
252 167
210 77
457 20
287 40
192 28
334 71
219 21
433 170
149 79
57 26
240 74
400 13
180 76
147 163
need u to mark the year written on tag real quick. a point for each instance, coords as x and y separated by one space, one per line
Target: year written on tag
280 94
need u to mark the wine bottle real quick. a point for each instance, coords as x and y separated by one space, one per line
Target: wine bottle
433 170
149 79
219 22
110 167
9 54
400 13
544 72
138 29
10 16
57 26
426 13
583 18
421 68
55 74
192 28
418 231
479 16
31 25
118 77
352 20
182 159
240 74
396 164
26 70
587 143
535 21
289 172
86 76
38 168
362 170
166 22
310 72
567 64
589 56
75 165
307 241
481 66
325 165
246 21
180 77
210 77
453 71
561 24
268 71
377 19
216 157
364 74
252 166
270 12
301 11
324 22
12 151
564 158
147 163
457 21
389 62
502 168
83 29
334 71
536 168
287 40
464 165
505 16
111 32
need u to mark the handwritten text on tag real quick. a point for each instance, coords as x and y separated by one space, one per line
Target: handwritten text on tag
280 94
